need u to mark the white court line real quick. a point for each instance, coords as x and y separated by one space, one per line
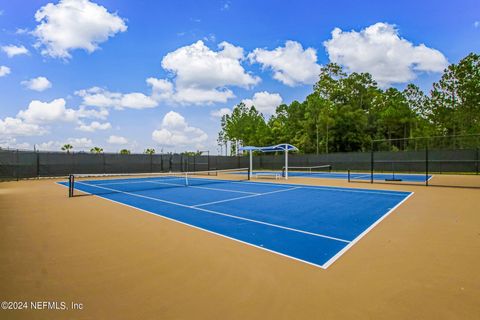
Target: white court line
306 186
136 182
208 231
361 177
250 196
220 213
207 188
361 235
173 184
283 185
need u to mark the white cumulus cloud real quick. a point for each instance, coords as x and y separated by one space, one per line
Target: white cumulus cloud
46 112
176 132
74 24
265 102
93 126
11 127
12 50
37 117
379 50
202 75
78 144
13 143
37 84
98 97
219 113
4 71
117 140
292 65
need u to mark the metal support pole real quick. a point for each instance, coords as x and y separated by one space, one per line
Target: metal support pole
286 162
250 167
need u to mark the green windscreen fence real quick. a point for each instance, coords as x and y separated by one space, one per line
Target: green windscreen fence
449 161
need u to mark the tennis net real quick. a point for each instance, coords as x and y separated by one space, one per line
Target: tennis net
307 170
99 184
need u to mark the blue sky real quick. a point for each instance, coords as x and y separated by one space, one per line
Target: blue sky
138 74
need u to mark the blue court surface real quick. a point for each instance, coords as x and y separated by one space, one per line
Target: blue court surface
312 224
362 176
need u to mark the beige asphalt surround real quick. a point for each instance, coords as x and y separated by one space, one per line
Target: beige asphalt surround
421 262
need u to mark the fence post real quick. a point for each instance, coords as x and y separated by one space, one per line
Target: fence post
17 164
476 162
371 163
38 164
104 163
426 164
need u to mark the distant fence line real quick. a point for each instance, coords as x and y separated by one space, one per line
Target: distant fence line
20 164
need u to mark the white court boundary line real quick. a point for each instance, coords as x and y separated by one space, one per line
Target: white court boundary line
169 184
212 232
306 186
238 198
361 177
222 214
361 235
284 185
326 264
206 188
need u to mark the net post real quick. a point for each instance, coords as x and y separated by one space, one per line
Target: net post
71 181
186 179
348 175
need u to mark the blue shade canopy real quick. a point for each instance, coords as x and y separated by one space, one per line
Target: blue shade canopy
276 148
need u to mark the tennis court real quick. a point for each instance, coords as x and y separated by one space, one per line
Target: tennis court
312 224
325 172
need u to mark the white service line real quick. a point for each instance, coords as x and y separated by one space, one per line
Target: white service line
238 198
361 177
221 213
136 182
336 189
207 188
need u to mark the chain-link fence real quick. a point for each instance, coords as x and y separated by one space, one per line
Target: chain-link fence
443 161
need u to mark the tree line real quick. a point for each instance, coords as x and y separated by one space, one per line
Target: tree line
346 112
